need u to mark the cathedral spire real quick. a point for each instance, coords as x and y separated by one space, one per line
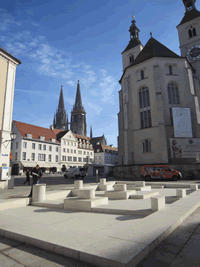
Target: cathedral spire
189 5
61 100
91 131
78 102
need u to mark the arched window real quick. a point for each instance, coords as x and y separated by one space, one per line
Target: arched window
190 33
131 59
173 94
144 103
194 32
170 70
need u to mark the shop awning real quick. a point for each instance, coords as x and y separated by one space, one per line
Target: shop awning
42 165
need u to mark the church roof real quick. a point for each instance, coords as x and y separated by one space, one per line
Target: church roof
99 139
190 15
132 43
152 49
36 131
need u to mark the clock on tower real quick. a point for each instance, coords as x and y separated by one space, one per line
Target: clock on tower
193 53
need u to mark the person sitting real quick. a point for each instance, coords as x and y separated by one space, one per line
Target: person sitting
37 175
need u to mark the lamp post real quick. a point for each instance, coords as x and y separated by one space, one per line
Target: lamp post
13 136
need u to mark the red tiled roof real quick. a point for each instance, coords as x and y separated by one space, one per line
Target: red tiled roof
82 137
56 131
36 131
104 147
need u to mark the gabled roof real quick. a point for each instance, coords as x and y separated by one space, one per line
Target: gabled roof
152 49
104 147
9 55
82 137
132 43
61 134
190 15
56 131
36 131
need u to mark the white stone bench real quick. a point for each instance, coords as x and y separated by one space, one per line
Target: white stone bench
39 192
181 193
78 184
157 203
140 183
102 181
120 187
194 187
86 193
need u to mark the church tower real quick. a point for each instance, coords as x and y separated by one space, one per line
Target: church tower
134 47
60 120
189 35
78 115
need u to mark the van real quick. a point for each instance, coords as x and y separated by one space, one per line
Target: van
149 172
75 173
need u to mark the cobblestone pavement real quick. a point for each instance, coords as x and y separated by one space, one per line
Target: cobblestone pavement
179 249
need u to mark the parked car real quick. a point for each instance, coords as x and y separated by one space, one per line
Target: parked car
75 173
149 172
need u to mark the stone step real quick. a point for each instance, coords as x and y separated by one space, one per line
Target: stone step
143 195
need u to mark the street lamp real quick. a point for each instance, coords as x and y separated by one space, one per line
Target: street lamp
13 136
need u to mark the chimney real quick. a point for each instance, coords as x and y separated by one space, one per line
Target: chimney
51 127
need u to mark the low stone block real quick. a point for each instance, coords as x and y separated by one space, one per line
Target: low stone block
157 203
120 187
103 181
86 193
84 204
181 192
105 187
139 183
194 187
78 184
119 194
143 195
138 188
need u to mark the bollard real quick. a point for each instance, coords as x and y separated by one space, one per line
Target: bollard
103 181
78 184
97 180
39 192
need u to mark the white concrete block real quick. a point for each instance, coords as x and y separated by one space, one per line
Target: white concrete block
143 195
140 183
103 181
157 203
181 192
139 188
84 204
78 184
120 187
86 193
119 194
105 187
39 192
194 187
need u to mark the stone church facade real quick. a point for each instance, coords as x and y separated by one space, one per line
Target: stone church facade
156 85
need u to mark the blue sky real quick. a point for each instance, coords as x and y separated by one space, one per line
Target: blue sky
60 42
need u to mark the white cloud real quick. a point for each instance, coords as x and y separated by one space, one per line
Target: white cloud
107 86
95 107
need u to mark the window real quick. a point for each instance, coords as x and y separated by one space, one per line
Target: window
144 99
68 143
16 145
71 150
24 144
64 142
11 146
63 158
90 153
16 154
131 59
49 158
74 151
173 94
168 169
98 150
84 152
90 160
84 159
142 74
79 159
56 158
33 156
170 70
87 153
146 146
79 152
24 156
63 149
74 158
50 148
192 32
44 147
71 144
67 150
41 157
145 119
69 158
57 149
40 147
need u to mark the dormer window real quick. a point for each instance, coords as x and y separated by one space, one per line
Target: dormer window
29 135
98 150
53 140
131 58
42 138
142 74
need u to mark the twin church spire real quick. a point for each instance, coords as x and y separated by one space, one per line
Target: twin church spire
78 115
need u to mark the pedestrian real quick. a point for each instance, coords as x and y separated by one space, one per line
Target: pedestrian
37 175
27 177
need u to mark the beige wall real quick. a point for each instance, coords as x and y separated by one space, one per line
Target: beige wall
3 77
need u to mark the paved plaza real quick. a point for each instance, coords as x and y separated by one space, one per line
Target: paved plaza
43 235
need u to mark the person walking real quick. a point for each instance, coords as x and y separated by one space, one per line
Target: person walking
27 177
37 174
